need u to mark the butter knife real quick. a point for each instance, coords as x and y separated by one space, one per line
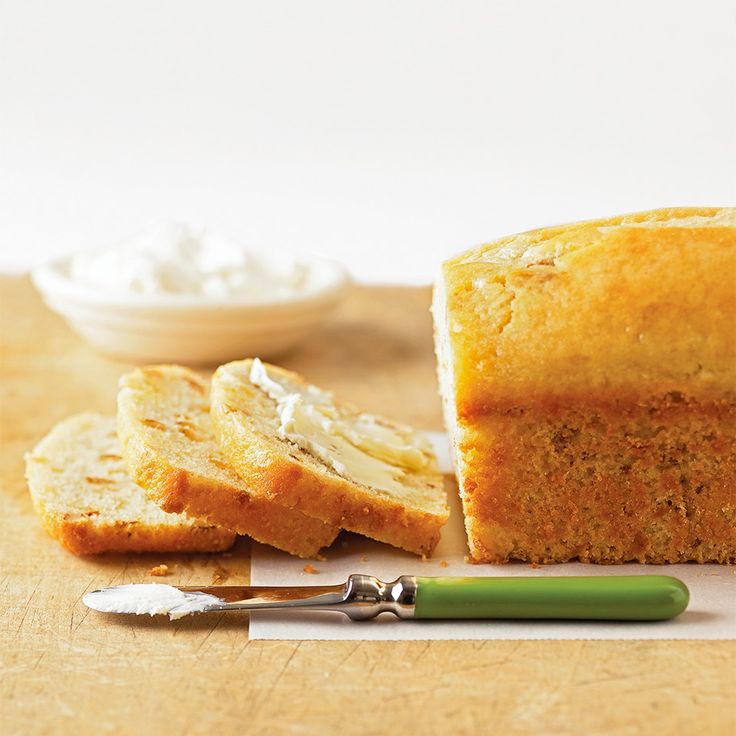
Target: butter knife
613 598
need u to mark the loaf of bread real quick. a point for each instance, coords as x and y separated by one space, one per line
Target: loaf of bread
82 492
168 444
588 374
301 448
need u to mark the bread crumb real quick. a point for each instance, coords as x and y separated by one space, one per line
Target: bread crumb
310 569
533 565
159 571
444 563
220 575
363 558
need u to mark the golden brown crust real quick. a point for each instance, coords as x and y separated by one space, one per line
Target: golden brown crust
83 538
292 484
212 491
284 476
592 385
594 310
176 490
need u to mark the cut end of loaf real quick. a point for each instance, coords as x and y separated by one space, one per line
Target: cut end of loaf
588 382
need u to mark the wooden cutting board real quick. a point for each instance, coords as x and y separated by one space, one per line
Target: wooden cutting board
67 669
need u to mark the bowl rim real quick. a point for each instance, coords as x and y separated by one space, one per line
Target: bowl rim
51 281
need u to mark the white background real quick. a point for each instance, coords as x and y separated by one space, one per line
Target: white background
386 134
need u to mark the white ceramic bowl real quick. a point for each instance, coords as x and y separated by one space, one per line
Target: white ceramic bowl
193 330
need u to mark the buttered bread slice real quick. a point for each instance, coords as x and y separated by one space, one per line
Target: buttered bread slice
168 444
299 447
81 490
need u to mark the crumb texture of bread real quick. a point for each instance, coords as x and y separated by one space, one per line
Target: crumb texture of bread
588 377
409 516
81 489
169 447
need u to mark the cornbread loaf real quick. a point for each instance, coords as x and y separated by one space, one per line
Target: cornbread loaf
167 441
588 374
301 448
82 492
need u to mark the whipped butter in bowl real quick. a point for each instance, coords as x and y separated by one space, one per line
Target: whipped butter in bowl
179 294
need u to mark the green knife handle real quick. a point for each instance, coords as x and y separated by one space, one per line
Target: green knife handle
616 598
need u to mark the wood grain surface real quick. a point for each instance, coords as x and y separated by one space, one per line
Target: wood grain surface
66 669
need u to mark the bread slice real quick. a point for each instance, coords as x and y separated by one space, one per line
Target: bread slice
406 511
81 490
166 436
